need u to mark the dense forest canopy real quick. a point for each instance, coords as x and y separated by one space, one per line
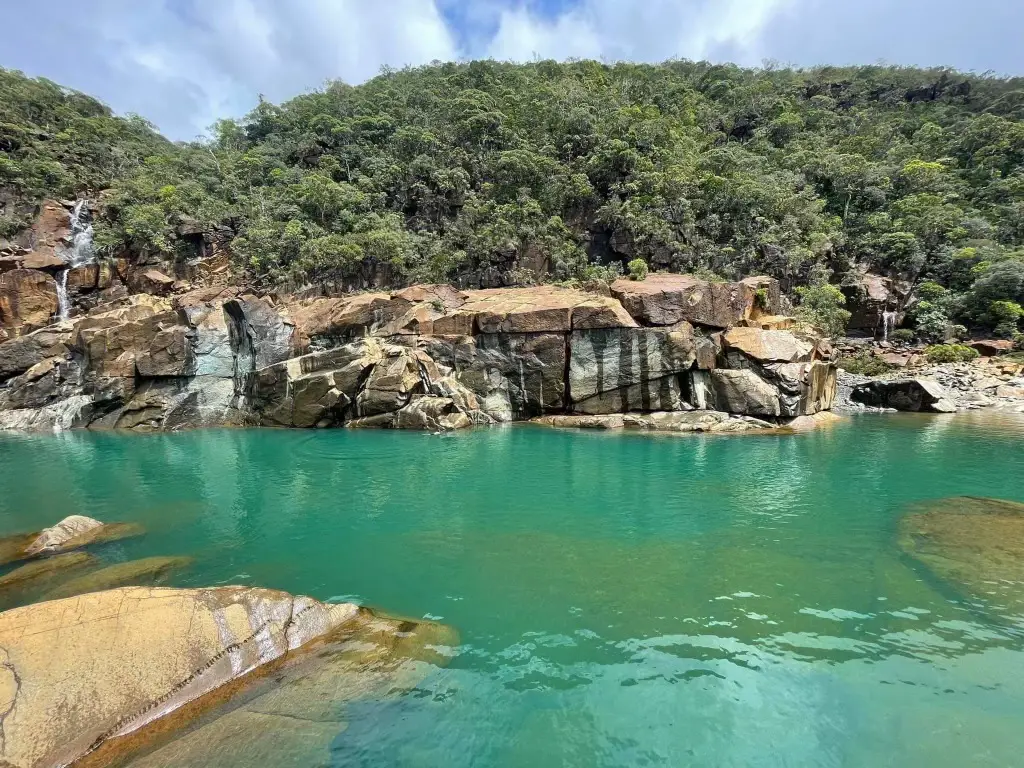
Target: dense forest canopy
501 173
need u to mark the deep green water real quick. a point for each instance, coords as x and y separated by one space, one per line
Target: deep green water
621 600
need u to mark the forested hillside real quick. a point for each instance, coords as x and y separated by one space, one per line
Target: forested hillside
498 173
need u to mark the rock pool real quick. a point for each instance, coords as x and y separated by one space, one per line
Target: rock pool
619 599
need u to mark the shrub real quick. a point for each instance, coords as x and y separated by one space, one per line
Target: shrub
637 269
865 364
822 306
932 321
902 336
950 353
761 300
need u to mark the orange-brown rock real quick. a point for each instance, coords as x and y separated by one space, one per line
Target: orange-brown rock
28 300
666 299
768 346
151 281
83 278
77 672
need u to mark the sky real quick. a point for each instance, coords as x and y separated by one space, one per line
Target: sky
184 63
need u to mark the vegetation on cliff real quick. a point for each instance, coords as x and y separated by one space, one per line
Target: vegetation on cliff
505 173
56 141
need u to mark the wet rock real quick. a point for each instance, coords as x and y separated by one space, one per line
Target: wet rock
512 376
564 421
294 716
28 299
71 533
47 568
63 534
129 656
814 421
976 543
695 421
868 297
149 571
919 394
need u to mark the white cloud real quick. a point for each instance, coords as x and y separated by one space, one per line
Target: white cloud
184 63
653 30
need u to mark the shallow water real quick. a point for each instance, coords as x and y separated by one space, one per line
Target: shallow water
620 599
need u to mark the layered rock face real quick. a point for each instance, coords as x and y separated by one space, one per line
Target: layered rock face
426 357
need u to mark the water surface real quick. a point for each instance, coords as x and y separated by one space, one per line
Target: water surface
620 599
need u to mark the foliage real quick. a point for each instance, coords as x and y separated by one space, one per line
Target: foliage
865 364
821 305
950 353
902 336
637 269
488 171
57 141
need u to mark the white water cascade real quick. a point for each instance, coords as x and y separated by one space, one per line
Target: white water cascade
78 255
888 324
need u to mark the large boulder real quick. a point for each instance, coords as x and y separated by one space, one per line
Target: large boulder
804 388
157 344
293 718
28 300
768 346
666 299
744 392
111 662
919 394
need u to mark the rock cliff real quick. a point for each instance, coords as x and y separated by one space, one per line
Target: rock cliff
424 357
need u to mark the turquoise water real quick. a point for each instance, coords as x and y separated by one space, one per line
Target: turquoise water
621 600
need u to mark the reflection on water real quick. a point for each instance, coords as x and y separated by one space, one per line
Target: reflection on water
620 599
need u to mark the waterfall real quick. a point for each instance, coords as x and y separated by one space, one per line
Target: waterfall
63 305
81 235
78 255
888 324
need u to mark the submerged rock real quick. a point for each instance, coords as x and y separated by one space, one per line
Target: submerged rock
295 718
112 662
149 571
47 568
976 543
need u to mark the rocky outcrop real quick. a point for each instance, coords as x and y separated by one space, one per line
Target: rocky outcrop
28 300
71 533
428 357
112 662
295 717
666 299
869 297
919 394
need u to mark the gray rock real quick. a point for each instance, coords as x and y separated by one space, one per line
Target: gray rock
744 392
919 394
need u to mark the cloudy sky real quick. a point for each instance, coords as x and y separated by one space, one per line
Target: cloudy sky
183 63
